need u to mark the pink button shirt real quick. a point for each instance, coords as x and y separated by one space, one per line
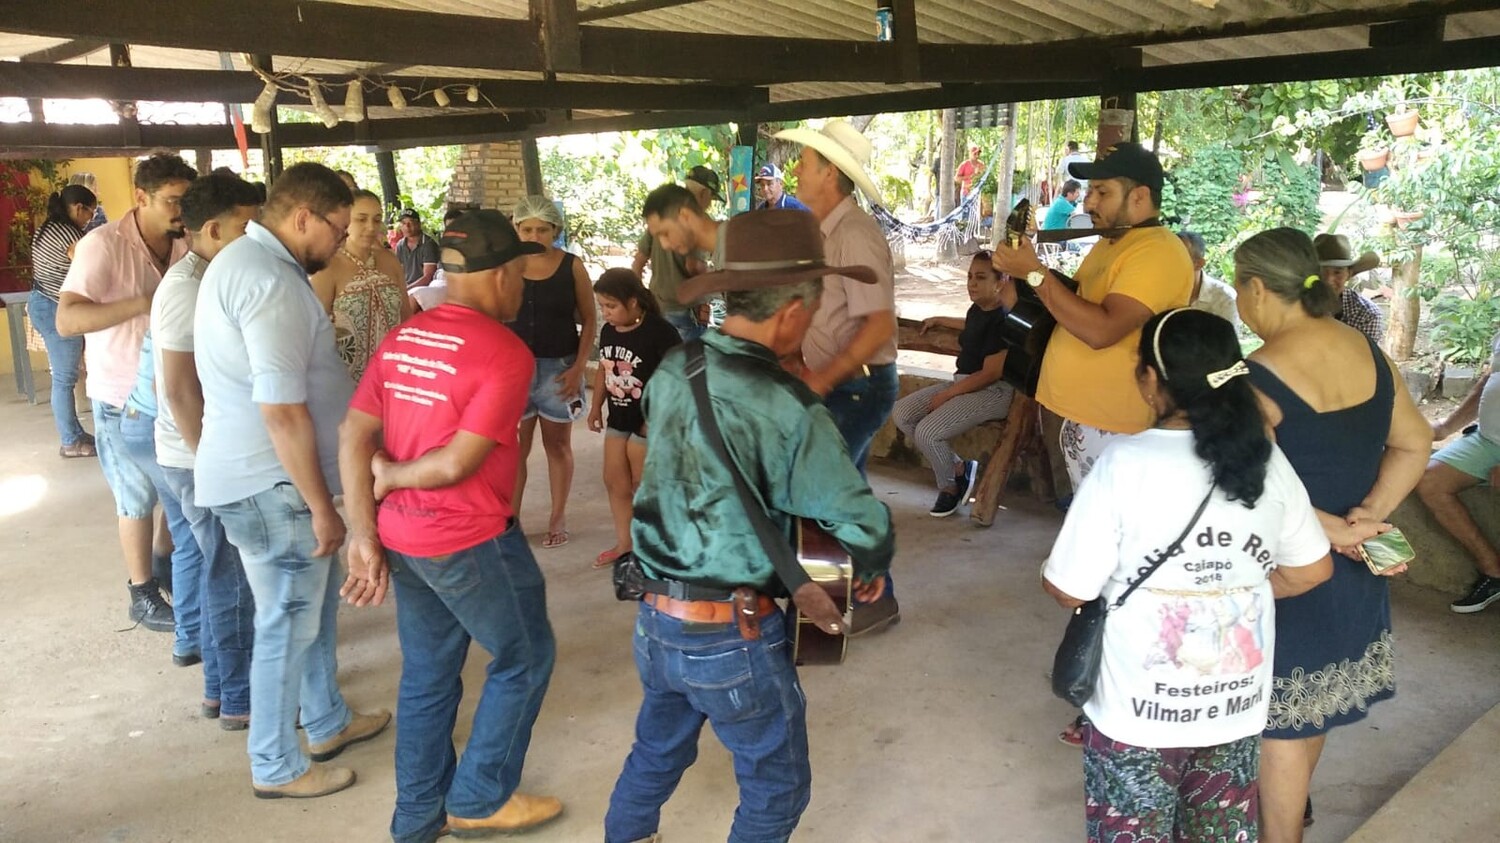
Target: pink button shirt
112 263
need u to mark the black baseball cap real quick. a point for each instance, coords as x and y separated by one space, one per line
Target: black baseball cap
706 177
409 213
481 240
1122 161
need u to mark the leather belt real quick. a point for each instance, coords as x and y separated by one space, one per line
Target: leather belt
706 611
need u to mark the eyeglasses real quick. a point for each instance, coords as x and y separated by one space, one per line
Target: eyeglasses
341 234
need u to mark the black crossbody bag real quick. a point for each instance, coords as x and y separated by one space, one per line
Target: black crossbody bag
1075 668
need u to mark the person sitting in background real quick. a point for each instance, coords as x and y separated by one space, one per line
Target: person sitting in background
969 173
1462 464
1338 265
931 417
1062 207
1209 293
772 190
68 214
417 251
361 287
1205 465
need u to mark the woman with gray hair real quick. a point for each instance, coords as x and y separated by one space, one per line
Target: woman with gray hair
556 321
1359 444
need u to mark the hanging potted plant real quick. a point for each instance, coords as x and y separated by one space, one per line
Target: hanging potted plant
1373 159
1403 123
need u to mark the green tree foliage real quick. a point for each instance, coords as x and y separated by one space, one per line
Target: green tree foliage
423 174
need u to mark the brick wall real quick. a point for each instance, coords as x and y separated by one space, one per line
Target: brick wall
489 175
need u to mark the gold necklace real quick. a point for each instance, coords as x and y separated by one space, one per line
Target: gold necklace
367 263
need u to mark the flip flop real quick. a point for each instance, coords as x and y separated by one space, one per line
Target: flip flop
607 558
555 538
1072 735
81 448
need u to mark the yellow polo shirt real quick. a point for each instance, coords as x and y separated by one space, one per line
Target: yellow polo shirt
1097 388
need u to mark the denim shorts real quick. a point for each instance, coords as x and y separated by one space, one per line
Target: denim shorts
546 399
135 496
627 435
1472 454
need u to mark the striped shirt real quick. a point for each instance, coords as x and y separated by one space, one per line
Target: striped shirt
49 256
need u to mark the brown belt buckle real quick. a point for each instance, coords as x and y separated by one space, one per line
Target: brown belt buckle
747 612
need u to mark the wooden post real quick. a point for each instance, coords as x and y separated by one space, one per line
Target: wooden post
1406 307
1005 185
531 165
946 157
1020 430
203 160
390 190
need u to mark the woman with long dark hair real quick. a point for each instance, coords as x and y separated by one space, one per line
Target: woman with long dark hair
1356 438
1172 731
632 342
68 213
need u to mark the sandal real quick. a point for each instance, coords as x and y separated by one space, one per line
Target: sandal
1072 735
555 538
607 558
82 448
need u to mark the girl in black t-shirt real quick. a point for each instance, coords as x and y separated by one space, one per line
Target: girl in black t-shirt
632 342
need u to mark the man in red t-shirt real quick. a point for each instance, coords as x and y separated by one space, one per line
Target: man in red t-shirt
969 172
431 435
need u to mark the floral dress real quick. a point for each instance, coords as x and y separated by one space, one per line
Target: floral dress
364 311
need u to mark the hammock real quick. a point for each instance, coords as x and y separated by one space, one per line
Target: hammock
946 229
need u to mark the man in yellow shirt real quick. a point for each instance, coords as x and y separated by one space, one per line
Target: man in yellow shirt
1088 371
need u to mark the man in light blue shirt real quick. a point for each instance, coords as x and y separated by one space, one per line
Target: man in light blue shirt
274 392
1062 207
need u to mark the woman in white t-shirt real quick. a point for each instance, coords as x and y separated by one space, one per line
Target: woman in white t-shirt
1171 742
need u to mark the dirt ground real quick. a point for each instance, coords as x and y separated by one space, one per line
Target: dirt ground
942 729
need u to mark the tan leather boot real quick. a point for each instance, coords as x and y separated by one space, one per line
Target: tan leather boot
519 813
361 728
319 780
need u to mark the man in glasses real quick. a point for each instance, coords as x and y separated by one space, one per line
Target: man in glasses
107 296
274 392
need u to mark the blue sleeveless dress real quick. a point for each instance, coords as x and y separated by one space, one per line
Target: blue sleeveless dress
1333 644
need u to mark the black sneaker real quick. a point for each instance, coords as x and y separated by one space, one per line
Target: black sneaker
947 504
966 478
1484 592
149 609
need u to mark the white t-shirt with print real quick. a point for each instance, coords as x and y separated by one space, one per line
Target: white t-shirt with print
1187 659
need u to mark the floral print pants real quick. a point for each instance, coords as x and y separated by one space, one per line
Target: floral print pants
1135 794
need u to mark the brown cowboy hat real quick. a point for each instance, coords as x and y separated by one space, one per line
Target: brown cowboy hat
769 248
1334 250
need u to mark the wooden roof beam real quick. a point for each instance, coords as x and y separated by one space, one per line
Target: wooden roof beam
67 81
629 7
557 21
77 48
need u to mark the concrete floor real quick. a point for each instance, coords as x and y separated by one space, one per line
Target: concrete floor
940 730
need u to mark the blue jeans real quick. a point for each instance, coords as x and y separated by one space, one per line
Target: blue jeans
748 692
296 614
861 406
228 607
63 357
138 433
135 493
492 593
686 325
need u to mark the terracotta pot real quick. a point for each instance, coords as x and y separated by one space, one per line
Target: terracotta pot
1402 124
1405 218
1373 159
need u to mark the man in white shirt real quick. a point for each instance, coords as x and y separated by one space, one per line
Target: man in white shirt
1209 293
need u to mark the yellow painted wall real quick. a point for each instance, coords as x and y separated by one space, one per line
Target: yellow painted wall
116 190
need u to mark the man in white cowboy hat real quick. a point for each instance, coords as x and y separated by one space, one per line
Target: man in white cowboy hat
850 349
708 582
771 188
1336 258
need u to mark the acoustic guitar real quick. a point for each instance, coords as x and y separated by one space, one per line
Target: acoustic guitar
1028 326
829 567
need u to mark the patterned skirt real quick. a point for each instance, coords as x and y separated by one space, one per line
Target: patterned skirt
1135 794
1334 657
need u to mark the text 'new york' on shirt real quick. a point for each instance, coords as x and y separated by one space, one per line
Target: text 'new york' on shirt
447 370
627 359
1188 657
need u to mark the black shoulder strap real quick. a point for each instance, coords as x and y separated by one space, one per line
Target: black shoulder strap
775 544
1166 554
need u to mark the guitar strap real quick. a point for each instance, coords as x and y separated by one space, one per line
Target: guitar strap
788 570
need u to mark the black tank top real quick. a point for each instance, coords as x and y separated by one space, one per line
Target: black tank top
546 320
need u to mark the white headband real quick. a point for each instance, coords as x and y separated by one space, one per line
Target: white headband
1215 379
